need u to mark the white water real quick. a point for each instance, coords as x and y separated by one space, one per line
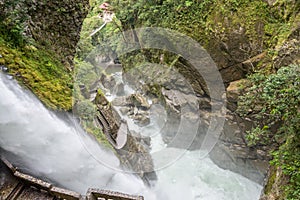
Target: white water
49 147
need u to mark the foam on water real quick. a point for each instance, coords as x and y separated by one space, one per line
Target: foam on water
49 147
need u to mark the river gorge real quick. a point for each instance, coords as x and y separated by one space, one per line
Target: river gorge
54 148
178 99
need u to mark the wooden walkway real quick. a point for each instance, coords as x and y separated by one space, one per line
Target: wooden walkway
15 185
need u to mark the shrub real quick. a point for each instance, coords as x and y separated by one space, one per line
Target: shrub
273 103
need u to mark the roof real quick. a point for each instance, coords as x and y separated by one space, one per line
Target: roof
104 6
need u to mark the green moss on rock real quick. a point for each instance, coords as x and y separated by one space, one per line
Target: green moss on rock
41 72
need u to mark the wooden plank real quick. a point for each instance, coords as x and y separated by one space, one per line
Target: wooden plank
15 192
8 164
30 193
65 194
33 181
93 194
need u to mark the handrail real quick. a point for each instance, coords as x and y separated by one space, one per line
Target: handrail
25 180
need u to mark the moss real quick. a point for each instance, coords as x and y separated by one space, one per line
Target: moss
271 181
41 72
97 133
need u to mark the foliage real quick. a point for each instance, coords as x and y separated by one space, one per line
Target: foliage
85 73
86 110
273 102
42 73
12 21
97 132
209 20
256 135
92 22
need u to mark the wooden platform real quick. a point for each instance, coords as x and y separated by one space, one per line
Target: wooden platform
15 185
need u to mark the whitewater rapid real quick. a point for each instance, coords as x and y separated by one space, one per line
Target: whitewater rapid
47 146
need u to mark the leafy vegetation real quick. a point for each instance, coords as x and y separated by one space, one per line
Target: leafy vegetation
84 77
85 110
38 70
265 26
208 20
273 103
34 66
12 21
205 21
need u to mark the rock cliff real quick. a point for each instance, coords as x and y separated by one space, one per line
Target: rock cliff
56 25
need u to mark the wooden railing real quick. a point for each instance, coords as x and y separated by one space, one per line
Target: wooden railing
24 186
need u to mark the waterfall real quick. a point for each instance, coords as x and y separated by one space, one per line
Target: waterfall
45 145
42 144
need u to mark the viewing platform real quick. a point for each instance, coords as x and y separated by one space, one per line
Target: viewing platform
15 185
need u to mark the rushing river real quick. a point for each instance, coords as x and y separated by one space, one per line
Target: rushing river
53 148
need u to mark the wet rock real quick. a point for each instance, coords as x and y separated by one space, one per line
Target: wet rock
273 184
204 103
136 157
84 91
177 100
120 101
232 73
135 108
119 89
3 68
241 160
125 110
141 119
108 82
193 81
147 141
234 91
138 101
232 153
289 51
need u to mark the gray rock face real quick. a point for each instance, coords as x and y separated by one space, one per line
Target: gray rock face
57 24
135 154
231 152
110 84
135 107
